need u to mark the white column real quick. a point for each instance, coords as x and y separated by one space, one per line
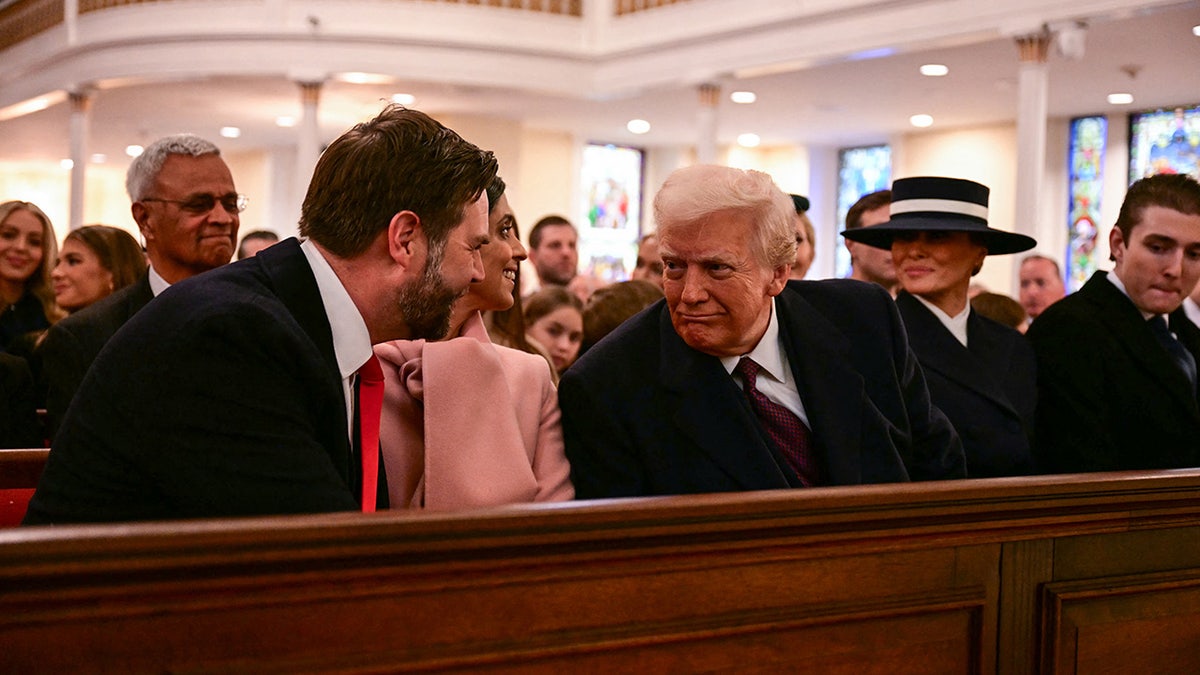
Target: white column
81 105
308 140
706 123
1032 94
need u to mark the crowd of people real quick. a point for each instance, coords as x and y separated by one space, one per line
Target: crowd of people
389 359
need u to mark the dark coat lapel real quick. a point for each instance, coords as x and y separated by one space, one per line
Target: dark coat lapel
708 408
293 282
1135 337
939 352
831 389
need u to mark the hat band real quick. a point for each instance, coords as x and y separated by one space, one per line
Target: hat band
939 205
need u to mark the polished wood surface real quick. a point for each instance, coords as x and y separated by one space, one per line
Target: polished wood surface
1093 573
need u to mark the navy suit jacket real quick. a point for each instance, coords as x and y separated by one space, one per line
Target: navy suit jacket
1109 396
988 389
220 398
72 344
644 414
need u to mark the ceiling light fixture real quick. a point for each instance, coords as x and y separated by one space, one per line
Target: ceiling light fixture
748 140
921 121
134 150
230 132
1120 99
934 70
638 126
285 121
66 163
1196 31
363 78
743 97
404 99
99 158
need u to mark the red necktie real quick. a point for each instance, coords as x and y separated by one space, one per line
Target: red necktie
788 432
370 404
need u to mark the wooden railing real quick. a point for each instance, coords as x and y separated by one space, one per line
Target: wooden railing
1097 573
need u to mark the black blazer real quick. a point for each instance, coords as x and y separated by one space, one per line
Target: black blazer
220 398
1109 396
644 414
72 344
988 389
19 427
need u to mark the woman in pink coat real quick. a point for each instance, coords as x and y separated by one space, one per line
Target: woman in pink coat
466 423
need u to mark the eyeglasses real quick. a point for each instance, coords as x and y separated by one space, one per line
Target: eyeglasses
198 205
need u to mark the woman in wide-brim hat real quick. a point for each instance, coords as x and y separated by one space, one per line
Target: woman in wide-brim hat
981 373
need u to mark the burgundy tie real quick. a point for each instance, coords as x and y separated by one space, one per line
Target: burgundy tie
370 404
788 432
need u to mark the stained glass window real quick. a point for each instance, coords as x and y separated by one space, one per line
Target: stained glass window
1086 159
860 171
1164 141
610 216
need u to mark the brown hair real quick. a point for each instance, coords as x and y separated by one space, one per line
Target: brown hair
610 306
999 307
118 251
1178 192
868 202
548 299
403 160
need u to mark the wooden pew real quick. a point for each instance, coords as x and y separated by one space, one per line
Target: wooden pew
1092 573
20 471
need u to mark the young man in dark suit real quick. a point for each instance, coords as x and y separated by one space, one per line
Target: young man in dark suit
1117 358
233 393
742 380
186 208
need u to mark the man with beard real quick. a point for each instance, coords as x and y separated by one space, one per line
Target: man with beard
186 208
236 392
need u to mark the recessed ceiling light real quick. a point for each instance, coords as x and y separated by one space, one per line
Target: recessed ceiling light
1120 99
637 126
66 163
934 70
921 120
285 121
403 99
134 150
748 140
363 78
743 97
1196 31
99 158
231 132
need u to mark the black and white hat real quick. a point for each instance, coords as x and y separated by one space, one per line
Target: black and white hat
933 203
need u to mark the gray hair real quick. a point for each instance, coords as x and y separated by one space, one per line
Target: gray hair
139 180
692 194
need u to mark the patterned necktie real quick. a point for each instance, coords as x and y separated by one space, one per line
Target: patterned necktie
788 432
1182 357
370 404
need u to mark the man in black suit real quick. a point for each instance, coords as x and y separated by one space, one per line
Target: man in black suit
233 392
828 392
1116 388
186 208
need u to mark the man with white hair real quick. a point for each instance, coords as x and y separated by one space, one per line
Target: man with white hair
742 380
186 207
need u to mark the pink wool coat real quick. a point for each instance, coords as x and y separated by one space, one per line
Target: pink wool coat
469 424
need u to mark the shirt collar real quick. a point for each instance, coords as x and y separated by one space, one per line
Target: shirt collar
351 340
1116 281
157 283
768 353
957 325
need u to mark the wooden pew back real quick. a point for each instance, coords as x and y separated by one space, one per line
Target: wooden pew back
1096 573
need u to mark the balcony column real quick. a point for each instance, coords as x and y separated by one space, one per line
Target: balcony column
1032 95
81 106
706 123
308 142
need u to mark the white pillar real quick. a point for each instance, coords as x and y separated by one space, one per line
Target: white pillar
706 123
308 140
81 104
1032 94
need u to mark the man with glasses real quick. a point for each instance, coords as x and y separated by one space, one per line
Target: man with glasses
186 207
253 389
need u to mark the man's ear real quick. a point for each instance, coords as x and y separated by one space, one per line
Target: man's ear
779 279
141 216
1116 244
404 237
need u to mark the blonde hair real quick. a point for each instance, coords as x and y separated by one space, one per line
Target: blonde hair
38 284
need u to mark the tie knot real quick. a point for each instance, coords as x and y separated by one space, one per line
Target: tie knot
370 372
748 369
